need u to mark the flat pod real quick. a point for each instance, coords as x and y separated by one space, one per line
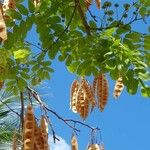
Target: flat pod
39 142
28 129
102 91
74 143
88 3
93 147
44 131
119 86
73 95
82 102
3 31
98 4
89 93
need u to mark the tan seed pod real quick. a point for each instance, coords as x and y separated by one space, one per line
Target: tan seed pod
39 143
35 148
88 3
44 131
118 87
36 3
3 30
98 3
84 101
74 143
28 129
89 93
102 91
73 95
93 147
80 98
94 86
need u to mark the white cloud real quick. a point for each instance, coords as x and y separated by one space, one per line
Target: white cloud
62 144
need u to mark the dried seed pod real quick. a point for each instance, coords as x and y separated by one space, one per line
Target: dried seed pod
35 148
82 102
1 84
39 143
44 131
36 3
8 4
80 98
29 127
88 3
3 31
73 97
74 143
93 147
89 93
118 87
102 91
98 3
94 86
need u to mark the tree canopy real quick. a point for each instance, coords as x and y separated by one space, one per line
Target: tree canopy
91 42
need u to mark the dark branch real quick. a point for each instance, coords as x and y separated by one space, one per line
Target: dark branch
82 16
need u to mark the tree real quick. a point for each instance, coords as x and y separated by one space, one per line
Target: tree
88 44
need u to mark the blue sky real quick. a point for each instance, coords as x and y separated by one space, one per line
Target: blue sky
124 124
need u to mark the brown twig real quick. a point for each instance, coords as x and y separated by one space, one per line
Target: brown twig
68 122
22 109
82 16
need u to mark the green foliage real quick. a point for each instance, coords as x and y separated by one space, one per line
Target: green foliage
113 46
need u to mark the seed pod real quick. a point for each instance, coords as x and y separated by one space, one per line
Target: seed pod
1 84
89 93
44 131
118 87
94 86
98 4
29 127
73 97
93 147
35 148
88 3
74 143
39 143
82 101
102 91
3 31
36 3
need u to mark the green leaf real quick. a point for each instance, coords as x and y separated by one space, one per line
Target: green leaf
68 60
31 6
73 67
145 91
132 86
14 14
22 9
21 54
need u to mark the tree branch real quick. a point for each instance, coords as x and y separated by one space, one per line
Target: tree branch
82 16
66 121
22 110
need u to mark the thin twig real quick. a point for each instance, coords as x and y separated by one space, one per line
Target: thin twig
66 121
10 108
82 16
22 109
